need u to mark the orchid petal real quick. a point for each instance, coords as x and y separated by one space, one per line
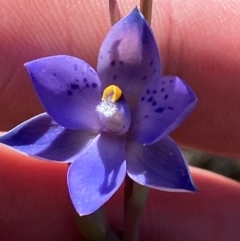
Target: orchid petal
69 89
129 56
162 108
160 166
97 173
42 137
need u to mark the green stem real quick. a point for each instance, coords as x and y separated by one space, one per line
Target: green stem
115 14
146 9
134 204
128 188
94 227
135 194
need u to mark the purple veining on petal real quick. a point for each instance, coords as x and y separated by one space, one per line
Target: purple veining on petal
166 109
160 166
70 104
43 138
129 52
97 173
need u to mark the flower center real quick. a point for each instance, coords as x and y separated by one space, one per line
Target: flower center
112 110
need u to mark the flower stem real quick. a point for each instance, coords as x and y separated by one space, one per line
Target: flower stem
135 195
134 204
128 187
115 14
94 227
146 9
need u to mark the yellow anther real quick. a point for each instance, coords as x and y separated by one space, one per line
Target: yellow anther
113 92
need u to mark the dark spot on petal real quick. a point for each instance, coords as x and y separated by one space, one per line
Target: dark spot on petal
171 81
165 97
155 70
154 92
77 80
144 77
94 85
54 74
74 86
75 67
170 108
121 63
146 116
101 57
143 98
163 82
114 77
151 62
159 110
154 103
69 92
91 70
113 63
148 91
87 85
150 99
162 89
82 73
85 80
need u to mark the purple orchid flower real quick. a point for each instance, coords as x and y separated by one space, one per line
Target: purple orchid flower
109 122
